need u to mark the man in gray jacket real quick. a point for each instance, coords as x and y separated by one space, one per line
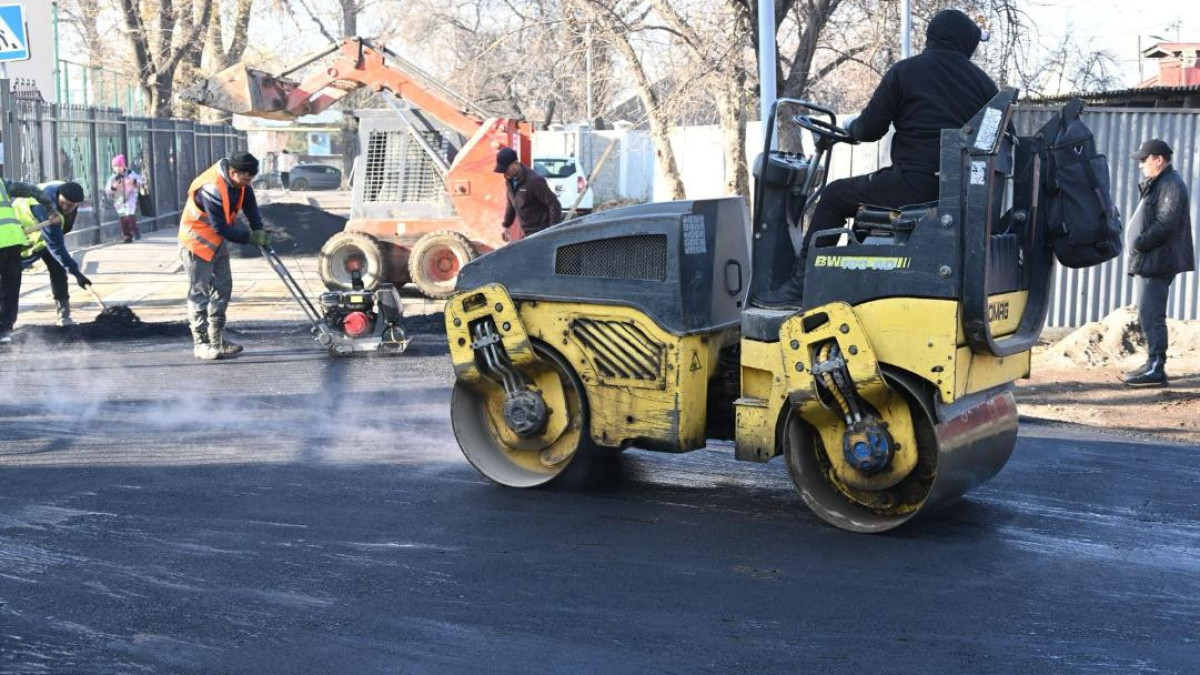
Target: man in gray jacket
1160 245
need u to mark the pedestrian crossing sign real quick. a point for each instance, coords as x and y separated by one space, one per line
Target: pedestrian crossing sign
14 39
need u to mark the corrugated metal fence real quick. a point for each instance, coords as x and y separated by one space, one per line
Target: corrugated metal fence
1087 295
44 141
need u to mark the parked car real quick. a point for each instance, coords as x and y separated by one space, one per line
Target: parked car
566 179
315 177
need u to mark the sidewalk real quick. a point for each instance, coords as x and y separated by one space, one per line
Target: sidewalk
148 276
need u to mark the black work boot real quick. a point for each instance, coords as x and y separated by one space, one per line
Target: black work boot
1140 370
787 295
216 336
1154 376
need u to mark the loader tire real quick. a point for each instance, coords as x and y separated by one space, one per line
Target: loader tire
346 247
435 260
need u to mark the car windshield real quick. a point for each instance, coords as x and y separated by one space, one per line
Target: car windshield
554 167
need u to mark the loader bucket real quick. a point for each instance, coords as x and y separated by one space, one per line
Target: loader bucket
244 91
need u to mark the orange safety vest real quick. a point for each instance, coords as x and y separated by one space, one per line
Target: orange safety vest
195 232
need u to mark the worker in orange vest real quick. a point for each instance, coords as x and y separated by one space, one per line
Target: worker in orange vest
214 200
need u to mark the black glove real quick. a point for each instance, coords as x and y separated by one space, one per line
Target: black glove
83 281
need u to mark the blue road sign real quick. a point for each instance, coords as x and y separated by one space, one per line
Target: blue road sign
14 39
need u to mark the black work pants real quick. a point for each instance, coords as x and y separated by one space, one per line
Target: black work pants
58 278
285 179
1152 313
889 188
10 286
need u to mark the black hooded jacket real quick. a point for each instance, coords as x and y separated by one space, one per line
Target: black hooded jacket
937 89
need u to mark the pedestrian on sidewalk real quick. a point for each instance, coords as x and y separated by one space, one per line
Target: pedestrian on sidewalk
12 240
206 227
1160 246
287 162
123 186
49 244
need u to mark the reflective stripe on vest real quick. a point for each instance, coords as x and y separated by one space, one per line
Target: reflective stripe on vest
11 233
195 232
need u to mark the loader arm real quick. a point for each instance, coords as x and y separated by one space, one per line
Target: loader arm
359 63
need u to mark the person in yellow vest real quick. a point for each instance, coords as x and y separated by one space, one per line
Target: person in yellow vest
12 240
207 225
48 244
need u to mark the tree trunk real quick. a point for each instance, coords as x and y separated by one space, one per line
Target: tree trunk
350 10
731 108
657 116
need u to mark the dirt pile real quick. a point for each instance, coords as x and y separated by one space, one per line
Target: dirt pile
1118 337
296 229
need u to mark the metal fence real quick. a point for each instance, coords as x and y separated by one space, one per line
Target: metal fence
45 141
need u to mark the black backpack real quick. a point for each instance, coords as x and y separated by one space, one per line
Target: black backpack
1082 222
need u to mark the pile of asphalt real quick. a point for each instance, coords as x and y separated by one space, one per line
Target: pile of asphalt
296 229
117 322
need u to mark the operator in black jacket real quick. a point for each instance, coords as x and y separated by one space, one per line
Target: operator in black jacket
1160 246
937 89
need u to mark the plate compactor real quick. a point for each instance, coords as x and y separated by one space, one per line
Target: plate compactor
888 394
346 322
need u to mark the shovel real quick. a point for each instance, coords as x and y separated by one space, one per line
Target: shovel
95 296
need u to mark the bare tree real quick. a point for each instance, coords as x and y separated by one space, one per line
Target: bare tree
620 23
237 14
163 34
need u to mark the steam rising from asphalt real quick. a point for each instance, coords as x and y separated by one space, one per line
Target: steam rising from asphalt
61 403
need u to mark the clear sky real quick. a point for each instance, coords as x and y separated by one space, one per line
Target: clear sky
1115 25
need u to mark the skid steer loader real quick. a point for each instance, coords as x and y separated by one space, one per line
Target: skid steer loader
889 394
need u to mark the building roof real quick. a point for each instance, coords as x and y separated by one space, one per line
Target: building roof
1136 97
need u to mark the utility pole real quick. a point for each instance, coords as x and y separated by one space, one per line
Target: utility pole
906 29
766 59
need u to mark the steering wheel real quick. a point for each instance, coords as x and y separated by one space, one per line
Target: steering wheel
823 129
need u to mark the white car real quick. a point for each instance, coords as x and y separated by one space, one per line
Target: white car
567 181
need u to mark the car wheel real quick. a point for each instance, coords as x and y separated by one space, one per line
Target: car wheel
299 183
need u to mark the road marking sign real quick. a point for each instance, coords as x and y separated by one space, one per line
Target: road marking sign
14 42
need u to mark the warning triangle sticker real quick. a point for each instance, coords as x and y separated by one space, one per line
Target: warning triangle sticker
695 362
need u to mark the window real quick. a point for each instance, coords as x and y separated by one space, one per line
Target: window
549 167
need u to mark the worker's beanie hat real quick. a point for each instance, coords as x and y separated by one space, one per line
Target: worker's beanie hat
505 157
244 162
72 192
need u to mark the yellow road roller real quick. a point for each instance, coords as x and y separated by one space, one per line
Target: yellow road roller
889 393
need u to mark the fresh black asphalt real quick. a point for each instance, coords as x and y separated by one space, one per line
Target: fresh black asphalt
290 512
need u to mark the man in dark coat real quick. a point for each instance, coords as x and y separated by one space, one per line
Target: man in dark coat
1160 245
937 89
531 202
